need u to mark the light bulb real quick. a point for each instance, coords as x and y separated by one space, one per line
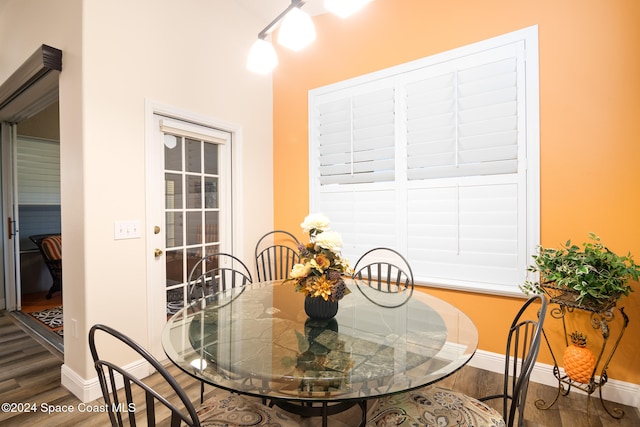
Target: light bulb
344 8
297 30
262 57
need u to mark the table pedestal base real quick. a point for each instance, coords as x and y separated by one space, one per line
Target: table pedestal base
321 409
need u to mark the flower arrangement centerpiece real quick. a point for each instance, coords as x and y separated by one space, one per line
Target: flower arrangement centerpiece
319 274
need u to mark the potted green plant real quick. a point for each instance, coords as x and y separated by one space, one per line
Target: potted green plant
590 276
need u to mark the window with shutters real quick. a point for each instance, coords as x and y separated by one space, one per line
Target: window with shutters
439 159
38 184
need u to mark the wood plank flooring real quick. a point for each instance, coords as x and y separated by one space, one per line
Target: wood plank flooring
30 373
37 301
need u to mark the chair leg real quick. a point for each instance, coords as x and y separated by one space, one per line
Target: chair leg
201 392
55 287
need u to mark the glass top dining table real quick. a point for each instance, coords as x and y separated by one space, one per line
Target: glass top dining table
257 340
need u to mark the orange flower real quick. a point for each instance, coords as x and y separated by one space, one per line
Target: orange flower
323 262
321 287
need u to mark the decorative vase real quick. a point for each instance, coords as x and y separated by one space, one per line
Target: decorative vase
319 309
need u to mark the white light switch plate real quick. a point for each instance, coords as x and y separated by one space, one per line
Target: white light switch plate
126 230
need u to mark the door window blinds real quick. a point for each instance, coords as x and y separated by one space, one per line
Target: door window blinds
436 158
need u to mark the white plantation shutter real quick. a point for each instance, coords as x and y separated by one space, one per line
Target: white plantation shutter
356 137
438 159
365 219
431 126
488 118
464 122
471 229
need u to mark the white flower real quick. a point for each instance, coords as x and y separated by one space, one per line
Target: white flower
300 270
315 265
344 265
317 222
329 240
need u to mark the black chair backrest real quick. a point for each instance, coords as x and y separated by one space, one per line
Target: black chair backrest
217 272
523 345
385 270
276 253
124 406
50 247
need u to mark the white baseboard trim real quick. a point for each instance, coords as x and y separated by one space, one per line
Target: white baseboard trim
89 390
615 391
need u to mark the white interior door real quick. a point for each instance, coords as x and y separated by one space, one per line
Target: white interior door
189 208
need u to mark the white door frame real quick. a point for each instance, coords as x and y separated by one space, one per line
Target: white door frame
156 296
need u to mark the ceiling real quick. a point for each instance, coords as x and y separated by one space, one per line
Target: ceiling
269 9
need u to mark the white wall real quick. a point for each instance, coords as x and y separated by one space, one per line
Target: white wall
189 54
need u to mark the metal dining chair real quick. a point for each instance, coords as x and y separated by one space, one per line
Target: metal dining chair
214 273
387 271
139 401
50 247
438 406
217 272
276 253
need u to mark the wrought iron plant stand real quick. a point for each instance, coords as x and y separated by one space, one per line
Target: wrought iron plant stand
602 314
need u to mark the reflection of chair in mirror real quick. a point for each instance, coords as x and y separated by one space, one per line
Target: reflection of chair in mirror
217 272
50 247
139 401
387 271
432 402
276 253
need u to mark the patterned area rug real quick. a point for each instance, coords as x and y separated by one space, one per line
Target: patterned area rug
51 318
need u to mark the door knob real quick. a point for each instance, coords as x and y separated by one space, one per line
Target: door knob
156 229
157 252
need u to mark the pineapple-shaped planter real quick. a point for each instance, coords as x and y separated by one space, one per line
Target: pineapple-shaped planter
579 361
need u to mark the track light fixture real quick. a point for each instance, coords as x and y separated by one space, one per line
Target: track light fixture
296 31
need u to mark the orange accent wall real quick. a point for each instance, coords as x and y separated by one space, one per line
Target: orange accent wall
590 122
